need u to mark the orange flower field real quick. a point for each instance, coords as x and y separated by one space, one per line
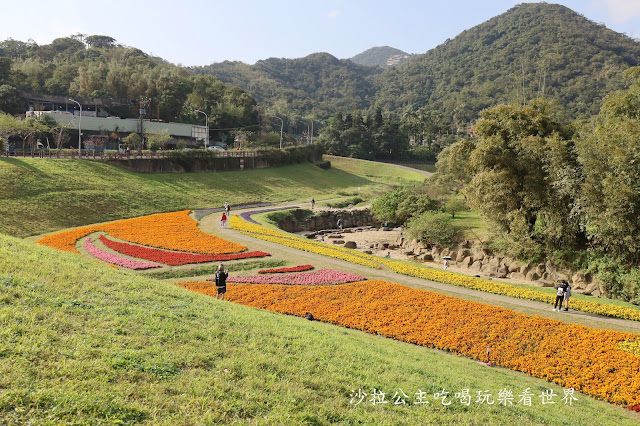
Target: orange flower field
575 356
172 231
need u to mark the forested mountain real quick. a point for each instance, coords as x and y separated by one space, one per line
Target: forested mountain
378 56
318 83
532 50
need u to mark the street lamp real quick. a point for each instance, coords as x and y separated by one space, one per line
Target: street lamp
281 128
206 118
308 130
79 129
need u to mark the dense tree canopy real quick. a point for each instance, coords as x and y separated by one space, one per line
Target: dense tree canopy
97 67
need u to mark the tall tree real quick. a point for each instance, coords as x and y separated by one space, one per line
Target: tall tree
609 151
521 157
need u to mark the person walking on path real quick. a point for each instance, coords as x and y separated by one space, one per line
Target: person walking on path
227 208
221 281
313 203
339 224
223 220
567 295
445 264
559 296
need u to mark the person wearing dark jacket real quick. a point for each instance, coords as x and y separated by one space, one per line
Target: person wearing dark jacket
221 281
560 290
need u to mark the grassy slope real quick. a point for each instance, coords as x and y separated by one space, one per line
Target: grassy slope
84 343
374 170
39 196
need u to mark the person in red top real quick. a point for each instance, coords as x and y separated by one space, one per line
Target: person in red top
223 221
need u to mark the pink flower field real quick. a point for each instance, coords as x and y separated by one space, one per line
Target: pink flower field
319 277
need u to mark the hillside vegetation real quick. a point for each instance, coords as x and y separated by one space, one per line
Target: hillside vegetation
376 56
532 50
318 83
562 55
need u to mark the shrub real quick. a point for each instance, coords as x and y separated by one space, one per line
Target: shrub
298 215
454 205
432 227
384 208
422 153
414 205
352 201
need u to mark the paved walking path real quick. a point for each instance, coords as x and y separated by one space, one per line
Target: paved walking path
521 305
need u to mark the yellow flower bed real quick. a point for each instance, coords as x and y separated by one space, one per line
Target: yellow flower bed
172 231
508 290
631 346
303 244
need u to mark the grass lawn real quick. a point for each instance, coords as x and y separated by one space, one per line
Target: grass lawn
373 170
427 167
43 195
87 344
472 225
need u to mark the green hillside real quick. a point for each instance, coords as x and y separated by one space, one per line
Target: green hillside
376 56
533 49
563 56
39 196
83 343
319 82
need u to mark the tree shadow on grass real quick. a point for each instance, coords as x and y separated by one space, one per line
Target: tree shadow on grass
23 165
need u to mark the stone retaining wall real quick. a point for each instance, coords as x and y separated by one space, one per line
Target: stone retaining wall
482 261
328 220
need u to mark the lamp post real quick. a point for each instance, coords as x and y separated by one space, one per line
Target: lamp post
206 118
281 128
79 127
308 130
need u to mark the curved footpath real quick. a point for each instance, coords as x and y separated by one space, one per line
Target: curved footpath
521 305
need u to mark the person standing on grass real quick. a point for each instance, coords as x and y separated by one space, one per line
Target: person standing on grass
559 296
221 281
223 220
567 295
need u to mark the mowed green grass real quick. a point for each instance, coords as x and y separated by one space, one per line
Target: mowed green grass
427 167
83 343
374 170
43 195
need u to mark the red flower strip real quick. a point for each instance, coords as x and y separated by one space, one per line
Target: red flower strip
298 268
173 258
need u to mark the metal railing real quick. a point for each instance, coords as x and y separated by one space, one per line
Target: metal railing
111 155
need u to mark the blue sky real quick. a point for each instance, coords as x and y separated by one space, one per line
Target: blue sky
200 32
